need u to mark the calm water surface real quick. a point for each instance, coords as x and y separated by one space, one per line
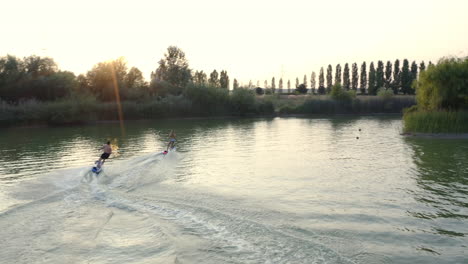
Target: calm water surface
282 190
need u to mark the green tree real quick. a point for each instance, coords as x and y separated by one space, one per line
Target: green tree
422 67
354 77
338 73
406 78
214 79
396 84
379 75
224 80
414 73
305 81
297 82
329 78
363 78
301 88
280 84
273 85
107 79
289 86
321 88
444 86
312 82
200 78
388 75
346 80
265 84
235 84
372 90
173 68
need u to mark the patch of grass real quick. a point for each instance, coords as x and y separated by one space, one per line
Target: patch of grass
436 121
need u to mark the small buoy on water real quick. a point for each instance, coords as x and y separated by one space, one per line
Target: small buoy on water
359 129
357 137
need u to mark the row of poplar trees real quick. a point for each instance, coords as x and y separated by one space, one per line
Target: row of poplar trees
388 76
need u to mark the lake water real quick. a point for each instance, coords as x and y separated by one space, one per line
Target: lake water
279 190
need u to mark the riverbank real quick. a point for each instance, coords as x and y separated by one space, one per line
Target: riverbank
435 122
437 135
79 111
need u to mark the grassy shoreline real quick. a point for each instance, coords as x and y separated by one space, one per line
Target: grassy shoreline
88 111
436 122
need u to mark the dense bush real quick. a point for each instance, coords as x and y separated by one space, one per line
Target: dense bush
301 89
242 101
259 91
207 100
444 86
338 93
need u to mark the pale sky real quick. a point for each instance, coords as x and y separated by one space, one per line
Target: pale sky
252 40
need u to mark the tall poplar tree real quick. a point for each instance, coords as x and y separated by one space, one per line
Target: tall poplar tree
289 86
305 80
280 84
379 75
338 74
346 81
414 75
354 77
235 84
372 90
224 80
363 78
266 84
396 84
312 82
321 88
329 78
273 85
405 77
388 75
214 79
297 82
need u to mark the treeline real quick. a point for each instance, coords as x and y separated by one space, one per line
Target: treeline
394 77
39 78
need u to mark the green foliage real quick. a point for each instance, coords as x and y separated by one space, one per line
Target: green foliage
329 78
173 68
224 80
259 91
379 75
436 121
372 80
214 79
354 77
385 93
346 78
338 93
301 89
360 105
444 86
388 75
312 82
242 102
163 88
338 73
406 79
33 77
363 78
396 84
207 100
321 78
